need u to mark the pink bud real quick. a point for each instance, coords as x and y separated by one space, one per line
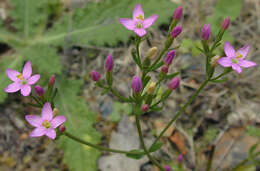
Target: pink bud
169 57
164 69
174 83
39 90
137 84
167 168
180 158
225 23
52 80
109 63
205 32
95 75
62 128
176 31
177 13
145 107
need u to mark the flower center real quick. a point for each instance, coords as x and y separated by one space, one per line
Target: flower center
23 82
139 25
20 76
235 61
46 124
238 55
140 17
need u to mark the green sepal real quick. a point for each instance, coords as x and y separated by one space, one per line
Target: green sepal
171 76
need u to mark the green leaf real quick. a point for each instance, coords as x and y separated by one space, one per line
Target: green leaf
170 76
136 156
156 147
253 131
80 122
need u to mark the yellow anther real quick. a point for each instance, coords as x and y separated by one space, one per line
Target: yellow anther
20 76
46 124
239 55
140 17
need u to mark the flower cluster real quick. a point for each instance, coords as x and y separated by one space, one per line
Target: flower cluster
147 94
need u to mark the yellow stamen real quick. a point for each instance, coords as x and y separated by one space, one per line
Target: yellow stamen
20 76
46 124
239 55
140 17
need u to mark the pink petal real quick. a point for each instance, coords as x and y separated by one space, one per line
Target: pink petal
33 79
246 63
149 21
34 120
225 62
229 50
27 69
12 74
128 23
47 111
25 90
244 51
57 121
140 32
51 133
137 12
37 132
237 68
14 87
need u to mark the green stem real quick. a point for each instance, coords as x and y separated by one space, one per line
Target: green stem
209 164
143 144
180 112
81 141
115 93
159 58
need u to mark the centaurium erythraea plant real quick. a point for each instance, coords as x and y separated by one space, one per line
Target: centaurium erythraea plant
145 91
138 24
236 59
22 81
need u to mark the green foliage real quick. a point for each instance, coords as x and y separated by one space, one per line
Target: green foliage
253 131
223 9
119 110
80 122
103 28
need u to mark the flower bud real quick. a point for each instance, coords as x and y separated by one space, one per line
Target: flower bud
164 69
109 63
151 52
169 57
180 158
167 168
225 23
205 32
176 31
151 88
55 111
177 13
136 84
214 61
95 75
39 90
174 83
52 80
145 107
62 128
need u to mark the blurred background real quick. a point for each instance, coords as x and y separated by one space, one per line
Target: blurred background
69 38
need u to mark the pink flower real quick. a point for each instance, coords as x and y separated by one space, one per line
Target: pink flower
145 107
174 83
236 59
21 81
176 31
138 24
205 32
225 23
109 63
95 75
45 124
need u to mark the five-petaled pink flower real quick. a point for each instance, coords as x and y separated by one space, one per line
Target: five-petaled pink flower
45 124
138 24
236 59
21 81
